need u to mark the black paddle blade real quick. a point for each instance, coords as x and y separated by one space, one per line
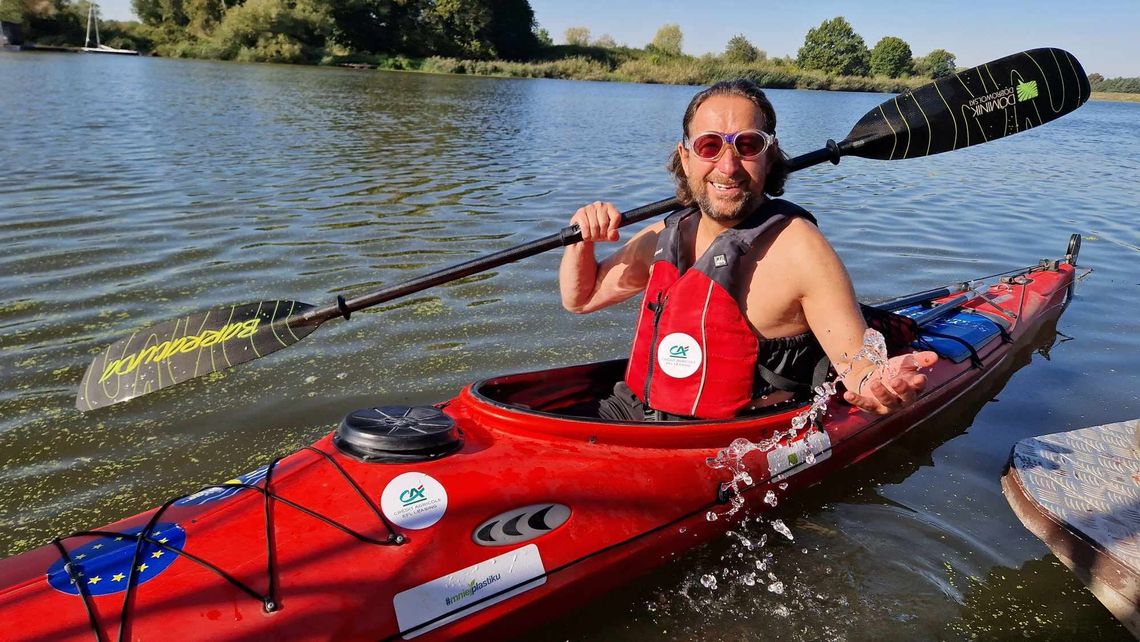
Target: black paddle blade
997 99
189 347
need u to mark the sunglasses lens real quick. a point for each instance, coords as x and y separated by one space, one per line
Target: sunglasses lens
707 146
750 145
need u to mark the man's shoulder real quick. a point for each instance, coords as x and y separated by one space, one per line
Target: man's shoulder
799 245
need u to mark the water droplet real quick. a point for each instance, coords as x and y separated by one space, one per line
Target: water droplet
682 530
770 498
709 582
710 516
781 611
749 579
783 486
779 526
776 587
809 457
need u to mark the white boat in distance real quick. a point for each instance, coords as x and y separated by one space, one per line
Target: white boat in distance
93 19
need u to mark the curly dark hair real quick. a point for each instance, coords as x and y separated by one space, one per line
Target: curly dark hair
777 173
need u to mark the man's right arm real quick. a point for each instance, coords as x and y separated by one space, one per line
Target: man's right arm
587 285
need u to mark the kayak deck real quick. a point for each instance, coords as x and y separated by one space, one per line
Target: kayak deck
1079 492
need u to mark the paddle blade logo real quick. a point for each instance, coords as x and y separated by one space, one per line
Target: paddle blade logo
191 346
1026 91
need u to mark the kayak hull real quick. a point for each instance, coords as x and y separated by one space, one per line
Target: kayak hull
537 513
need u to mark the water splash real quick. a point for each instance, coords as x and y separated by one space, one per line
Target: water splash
781 528
709 582
874 350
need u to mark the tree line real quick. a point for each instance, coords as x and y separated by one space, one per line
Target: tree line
481 36
296 30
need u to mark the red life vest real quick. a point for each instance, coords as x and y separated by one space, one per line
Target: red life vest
694 353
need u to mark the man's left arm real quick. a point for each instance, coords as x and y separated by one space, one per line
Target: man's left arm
833 314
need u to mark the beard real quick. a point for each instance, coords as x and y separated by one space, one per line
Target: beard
721 212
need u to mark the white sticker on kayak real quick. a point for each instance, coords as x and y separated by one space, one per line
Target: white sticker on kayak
472 589
798 455
414 500
679 355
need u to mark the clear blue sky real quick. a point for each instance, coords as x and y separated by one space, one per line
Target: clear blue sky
1103 34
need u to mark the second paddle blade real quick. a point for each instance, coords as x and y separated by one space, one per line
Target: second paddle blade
189 347
978 105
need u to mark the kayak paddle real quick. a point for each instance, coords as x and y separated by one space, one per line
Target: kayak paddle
978 105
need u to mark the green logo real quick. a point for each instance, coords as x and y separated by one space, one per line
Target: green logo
1026 91
679 352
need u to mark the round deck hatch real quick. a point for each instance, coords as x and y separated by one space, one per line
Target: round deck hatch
397 434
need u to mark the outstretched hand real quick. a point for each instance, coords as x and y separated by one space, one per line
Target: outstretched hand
893 387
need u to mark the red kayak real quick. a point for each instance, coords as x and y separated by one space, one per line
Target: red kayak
487 514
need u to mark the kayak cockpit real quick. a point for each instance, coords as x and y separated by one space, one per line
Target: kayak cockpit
569 392
564 402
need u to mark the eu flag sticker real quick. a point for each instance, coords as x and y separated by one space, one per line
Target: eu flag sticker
222 491
103 565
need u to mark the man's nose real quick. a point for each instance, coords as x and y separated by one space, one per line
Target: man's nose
729 162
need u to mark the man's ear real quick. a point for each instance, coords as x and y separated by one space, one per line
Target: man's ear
683 154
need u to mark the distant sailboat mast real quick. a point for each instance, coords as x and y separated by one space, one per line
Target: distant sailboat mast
90 19
93 19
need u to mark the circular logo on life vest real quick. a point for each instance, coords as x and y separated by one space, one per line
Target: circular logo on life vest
414 500
679 355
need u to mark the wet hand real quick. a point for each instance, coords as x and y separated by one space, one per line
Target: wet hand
598 221
882 392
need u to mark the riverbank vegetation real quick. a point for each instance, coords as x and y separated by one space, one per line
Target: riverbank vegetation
483 37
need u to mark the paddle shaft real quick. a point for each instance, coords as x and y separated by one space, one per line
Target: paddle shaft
567 236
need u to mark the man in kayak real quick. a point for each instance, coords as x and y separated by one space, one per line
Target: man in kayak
743 294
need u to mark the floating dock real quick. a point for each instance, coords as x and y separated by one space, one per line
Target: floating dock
1079 492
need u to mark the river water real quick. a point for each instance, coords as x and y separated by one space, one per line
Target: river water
136 190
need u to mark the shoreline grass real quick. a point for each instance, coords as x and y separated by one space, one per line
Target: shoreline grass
1115 96
672 71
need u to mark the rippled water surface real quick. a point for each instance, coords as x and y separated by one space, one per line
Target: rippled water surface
135 190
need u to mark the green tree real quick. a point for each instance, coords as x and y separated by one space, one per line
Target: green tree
835 48
274 30
668 40
1095 79
740 50
605 41
457 27
578 36
379 26
936 64
203 15
892 57
12 11
544 38
511 31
